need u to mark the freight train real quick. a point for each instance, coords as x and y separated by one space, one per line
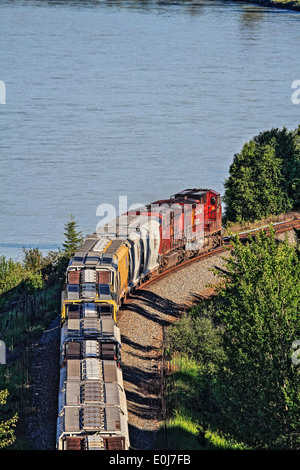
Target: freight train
111 263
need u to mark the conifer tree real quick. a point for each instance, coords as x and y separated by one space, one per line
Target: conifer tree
73 239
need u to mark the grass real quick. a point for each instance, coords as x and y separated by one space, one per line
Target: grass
185 429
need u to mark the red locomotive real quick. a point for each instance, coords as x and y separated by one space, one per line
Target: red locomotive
190 223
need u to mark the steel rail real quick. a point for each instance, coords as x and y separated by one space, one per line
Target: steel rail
283 227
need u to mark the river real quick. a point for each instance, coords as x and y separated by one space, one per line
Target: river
110 102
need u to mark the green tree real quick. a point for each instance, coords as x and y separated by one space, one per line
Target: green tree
7 435
33 259
287 147
264 177
258 387
11 274
73 239
22 277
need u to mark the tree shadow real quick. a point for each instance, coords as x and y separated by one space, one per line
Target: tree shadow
40 424
144 406
142 367
151 306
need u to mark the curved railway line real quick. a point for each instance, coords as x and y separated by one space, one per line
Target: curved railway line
281 227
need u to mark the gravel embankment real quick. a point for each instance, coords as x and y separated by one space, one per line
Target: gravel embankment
41 424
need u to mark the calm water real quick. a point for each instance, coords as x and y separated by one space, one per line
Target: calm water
135 98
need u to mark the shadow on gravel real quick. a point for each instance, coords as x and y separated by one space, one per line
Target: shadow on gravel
40 424
140 350
141 439
144 404
148 300
198 298
144 390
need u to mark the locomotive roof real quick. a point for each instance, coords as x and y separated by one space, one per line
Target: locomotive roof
195 192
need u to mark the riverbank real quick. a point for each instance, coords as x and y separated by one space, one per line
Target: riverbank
284 4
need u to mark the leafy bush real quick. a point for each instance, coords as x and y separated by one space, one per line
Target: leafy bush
198 338
7 434
11 274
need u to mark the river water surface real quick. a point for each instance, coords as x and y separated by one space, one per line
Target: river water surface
138 99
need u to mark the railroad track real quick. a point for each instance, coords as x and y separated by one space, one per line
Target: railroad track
280 227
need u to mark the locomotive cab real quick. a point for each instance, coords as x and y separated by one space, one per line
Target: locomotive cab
211 201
